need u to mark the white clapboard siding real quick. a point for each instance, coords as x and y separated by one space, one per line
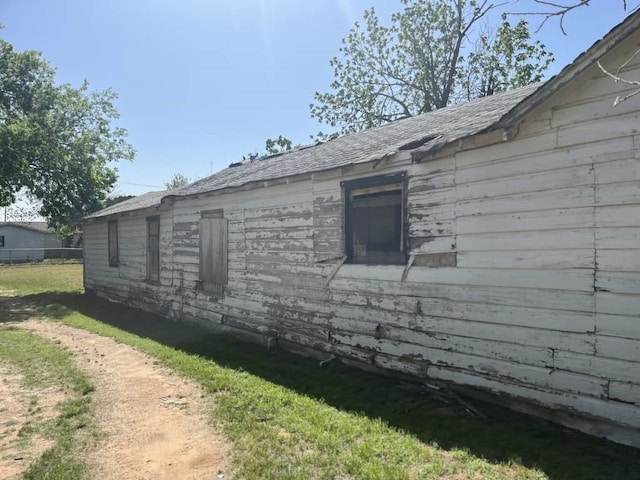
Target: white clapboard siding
423 310
618 304
619 171
601 129
431 182
618 193
619 281
555 179
618 238
607 368
543 302
626 392
544 160
532 240
618 325
627 260
528 374
524 146
432 244
574 279
615 347
618 216
538 259
592 110
527 221
523 202
617 412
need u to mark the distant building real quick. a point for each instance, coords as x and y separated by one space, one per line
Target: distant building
26 241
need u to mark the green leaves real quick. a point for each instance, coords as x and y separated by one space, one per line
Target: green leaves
432 54
177 181
278 145
504 59
56 141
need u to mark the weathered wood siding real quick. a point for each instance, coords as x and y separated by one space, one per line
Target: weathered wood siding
542 302
127 282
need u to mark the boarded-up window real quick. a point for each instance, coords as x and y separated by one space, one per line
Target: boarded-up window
213 252
374 220
113 243
153 249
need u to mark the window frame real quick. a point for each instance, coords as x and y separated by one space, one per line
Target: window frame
153 251
351 186
112 238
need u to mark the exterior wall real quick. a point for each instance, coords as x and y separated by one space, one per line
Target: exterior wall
21 238
127 282
542 304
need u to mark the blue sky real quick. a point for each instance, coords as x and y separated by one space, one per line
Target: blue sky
202 82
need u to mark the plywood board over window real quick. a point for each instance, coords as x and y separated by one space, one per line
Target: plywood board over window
375 220
213 252
153 249
113 243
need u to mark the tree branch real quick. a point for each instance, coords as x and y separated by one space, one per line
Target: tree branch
561 9
617 78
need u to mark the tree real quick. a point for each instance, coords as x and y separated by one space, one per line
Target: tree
24 210
279 145
117 199
56 141
272 147
423 61
501 60
178 181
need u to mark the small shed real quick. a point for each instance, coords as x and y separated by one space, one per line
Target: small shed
26 241
494 245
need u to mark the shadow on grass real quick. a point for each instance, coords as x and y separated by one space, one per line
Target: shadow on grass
503 437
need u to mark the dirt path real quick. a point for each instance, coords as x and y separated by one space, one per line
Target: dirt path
155 421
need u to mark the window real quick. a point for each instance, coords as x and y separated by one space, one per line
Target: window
213 252
113 243
374 220
1 241
153 249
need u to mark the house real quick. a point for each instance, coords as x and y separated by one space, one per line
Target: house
494 245
26 241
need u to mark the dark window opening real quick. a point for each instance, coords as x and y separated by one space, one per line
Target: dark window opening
153 249
374 220
1 241
113 243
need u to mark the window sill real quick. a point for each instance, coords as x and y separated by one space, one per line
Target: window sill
391 273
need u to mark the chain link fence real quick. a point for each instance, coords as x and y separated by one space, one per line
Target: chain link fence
11 256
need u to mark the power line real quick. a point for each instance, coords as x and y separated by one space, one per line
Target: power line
139 185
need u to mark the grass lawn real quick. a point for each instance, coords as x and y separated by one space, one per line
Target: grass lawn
290 419
45 366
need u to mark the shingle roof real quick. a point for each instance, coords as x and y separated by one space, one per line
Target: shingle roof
426 131
146 200
35 226
440 126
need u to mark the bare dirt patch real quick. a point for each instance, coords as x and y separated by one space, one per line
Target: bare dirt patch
155 422
23 411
